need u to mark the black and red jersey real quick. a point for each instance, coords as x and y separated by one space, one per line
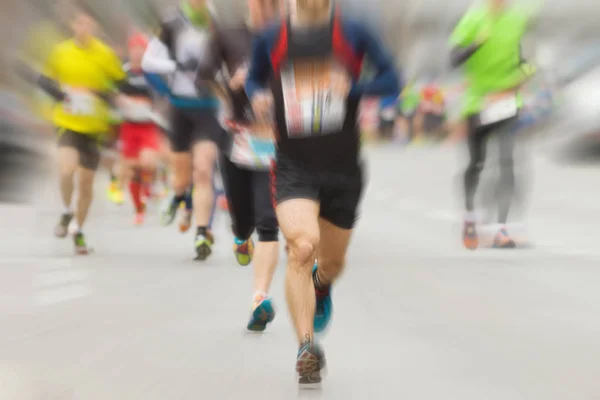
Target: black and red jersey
316 126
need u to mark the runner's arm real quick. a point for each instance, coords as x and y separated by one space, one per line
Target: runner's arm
463 40
210 75
158 84
45 80
156 58
459 55
259 69
385 82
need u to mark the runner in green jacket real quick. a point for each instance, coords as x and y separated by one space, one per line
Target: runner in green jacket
487 43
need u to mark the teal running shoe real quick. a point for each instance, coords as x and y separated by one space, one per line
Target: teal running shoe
324 307
263 313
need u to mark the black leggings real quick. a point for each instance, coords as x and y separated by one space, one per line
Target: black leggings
477 142
250 201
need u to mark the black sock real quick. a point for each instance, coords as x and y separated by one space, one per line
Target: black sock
201 230
178 199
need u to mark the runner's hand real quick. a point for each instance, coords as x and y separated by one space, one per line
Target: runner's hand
239 78
340 83
190 65
262 104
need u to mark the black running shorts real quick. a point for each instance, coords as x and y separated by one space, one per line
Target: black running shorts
88 147
338 193
194 125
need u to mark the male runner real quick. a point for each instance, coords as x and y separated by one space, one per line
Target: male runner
313 61
488 42
140 136
78 75
246 159
181 47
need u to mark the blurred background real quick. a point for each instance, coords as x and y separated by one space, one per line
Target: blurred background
138 321
564 45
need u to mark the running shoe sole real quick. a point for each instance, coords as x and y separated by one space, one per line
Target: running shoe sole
263 314
61 234
504 246
310 369
62 230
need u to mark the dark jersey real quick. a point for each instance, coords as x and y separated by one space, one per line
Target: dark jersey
317 127
136 84
232 47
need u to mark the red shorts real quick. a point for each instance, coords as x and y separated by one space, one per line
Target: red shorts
136 137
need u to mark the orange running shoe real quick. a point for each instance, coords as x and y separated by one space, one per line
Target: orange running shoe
140 215
185 221
470 239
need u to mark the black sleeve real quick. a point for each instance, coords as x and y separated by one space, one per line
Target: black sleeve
459 55
166 35
51 87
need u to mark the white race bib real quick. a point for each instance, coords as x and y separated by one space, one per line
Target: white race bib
311 107
137 111
80 102
252 152
499 110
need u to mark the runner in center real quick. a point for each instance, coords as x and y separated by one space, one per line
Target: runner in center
304 73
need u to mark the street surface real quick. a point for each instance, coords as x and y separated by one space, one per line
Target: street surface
416 315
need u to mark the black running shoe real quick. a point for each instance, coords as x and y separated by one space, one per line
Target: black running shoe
309 364
204 245
62 229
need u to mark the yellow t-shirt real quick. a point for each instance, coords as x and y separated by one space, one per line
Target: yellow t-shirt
82 73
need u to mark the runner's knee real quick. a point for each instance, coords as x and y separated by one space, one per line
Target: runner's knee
203 174
303 249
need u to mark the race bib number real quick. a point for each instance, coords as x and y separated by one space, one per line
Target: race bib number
311 106
80 102
499 109
251 152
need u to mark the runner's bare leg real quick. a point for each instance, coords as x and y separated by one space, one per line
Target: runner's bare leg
332 251
298 221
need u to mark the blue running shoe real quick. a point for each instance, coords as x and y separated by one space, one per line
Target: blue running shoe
263 313
324 307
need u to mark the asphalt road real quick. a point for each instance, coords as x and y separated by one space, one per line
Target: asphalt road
417 316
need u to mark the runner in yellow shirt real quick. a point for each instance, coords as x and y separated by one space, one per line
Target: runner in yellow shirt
81 73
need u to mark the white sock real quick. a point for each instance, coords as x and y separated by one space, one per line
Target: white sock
68 210
470 216
258 294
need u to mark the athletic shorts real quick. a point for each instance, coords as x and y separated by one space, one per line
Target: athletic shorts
191 126
88 147
136 137
433 122
339 194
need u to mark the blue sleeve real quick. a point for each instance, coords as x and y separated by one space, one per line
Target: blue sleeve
158 84
386 81
260 65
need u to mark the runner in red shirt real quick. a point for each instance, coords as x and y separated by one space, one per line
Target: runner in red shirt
140 136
